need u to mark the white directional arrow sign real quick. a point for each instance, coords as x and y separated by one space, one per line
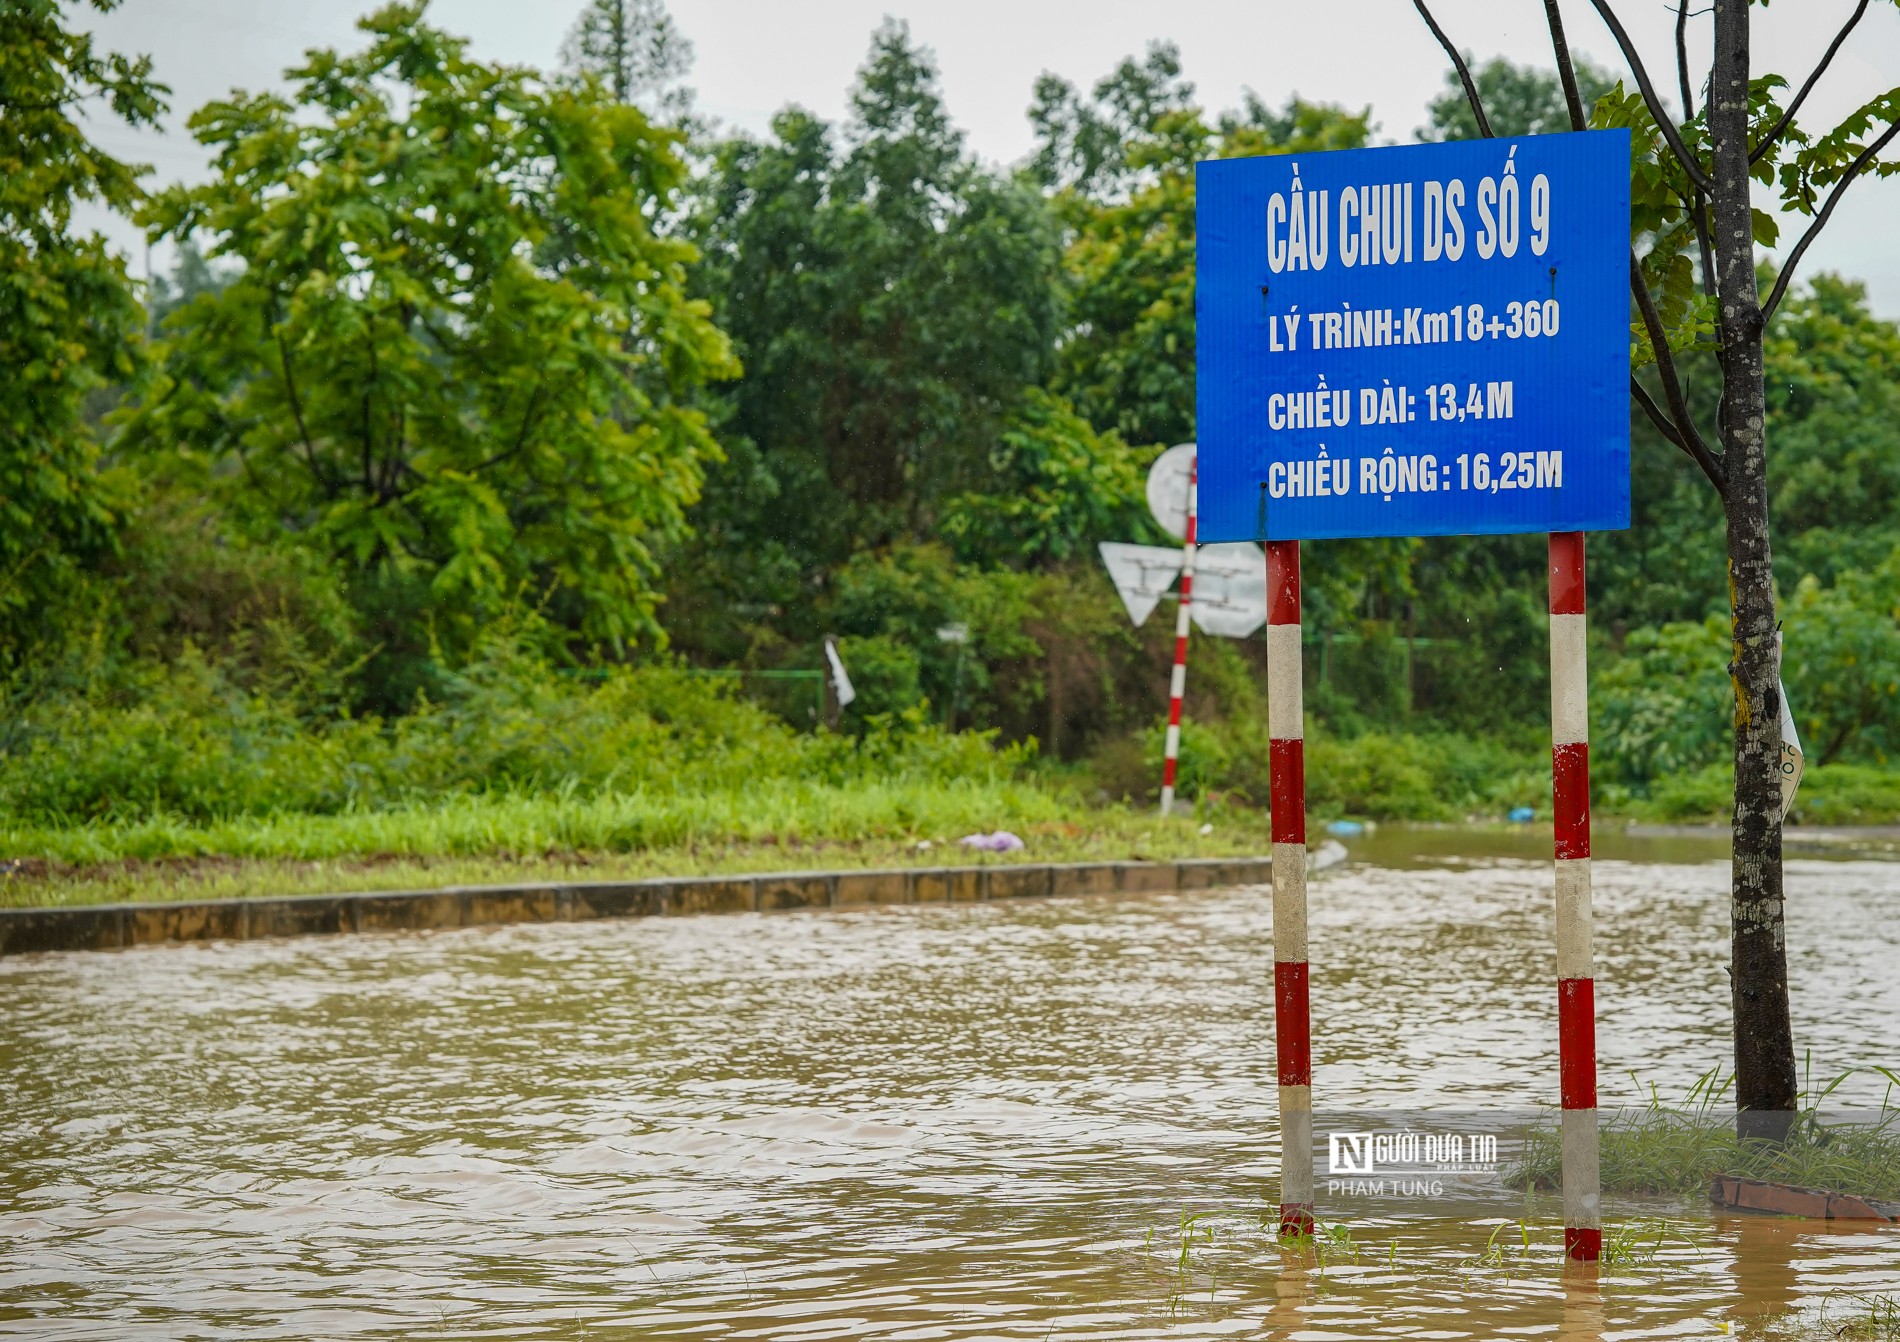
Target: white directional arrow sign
1230 588
1143 574
1230 583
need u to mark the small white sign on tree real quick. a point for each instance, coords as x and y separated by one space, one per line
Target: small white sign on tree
1793 763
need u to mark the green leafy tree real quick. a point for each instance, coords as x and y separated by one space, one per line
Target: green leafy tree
1517 100
69 321
1843 667
1055 487
458 360
636 49
1098 147
1659 707
191 276
1121 165
890 606
1832 374
892 299
1696 286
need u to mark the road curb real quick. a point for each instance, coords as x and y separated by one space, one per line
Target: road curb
95 927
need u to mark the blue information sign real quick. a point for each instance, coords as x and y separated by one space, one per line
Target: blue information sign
1418 341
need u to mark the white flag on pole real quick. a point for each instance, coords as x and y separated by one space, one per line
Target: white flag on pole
839 680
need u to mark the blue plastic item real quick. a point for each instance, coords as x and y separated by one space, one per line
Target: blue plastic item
1522 815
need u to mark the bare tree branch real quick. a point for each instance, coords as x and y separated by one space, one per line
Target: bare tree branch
1867 156
1827 57
527 422
296 412
1458 63
1566 71
1664 122
1698 206
1640 394
1686 436
1682 59
1711 279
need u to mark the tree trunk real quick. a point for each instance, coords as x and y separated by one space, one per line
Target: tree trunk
1764 1038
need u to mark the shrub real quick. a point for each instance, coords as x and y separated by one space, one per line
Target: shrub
187 741
1832 794
1664 708
885 672
1848 794
1387 776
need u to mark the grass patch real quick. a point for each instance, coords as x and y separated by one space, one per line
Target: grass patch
1861 1318
478 840
188 786
1837 794
1677 1152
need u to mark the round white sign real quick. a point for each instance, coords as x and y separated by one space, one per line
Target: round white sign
1168 489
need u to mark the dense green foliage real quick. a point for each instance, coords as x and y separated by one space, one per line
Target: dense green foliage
68 317
894 303
1120 164
187 742
454 358
486 409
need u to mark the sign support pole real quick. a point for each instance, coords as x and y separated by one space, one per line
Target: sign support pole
1292 1035
1576 984
1177 684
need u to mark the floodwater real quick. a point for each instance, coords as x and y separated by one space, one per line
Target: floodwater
929 1122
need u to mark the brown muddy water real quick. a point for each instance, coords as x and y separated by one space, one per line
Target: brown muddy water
963 1122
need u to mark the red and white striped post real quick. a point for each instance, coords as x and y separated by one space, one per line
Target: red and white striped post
1293 1034
1576 983
1177 684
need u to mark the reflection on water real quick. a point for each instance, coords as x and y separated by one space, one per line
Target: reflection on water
1023 1120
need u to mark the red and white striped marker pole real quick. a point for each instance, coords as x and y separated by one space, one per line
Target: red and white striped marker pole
1177 685
1286 747
1576 983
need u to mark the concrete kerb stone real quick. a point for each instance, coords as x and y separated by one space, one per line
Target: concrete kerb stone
497 905
111 926
217 920
794 890
713 894
617 899
299 916
408 910
956 885
96 927
1082 878
1145 877
1027 881
849 888
1213 873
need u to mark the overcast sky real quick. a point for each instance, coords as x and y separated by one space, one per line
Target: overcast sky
755 56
